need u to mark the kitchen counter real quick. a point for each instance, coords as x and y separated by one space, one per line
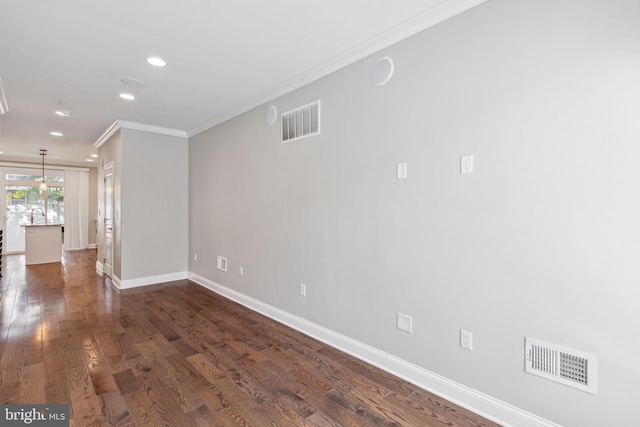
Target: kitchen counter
43 243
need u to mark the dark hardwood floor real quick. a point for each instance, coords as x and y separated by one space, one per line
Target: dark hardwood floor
176 354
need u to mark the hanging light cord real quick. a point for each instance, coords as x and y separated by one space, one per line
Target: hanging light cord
43 185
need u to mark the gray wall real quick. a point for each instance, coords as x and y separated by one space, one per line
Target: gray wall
540 241
154 196
150 203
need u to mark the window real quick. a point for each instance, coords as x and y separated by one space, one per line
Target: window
23 198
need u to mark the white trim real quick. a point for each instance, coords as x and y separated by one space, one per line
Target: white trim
427 19
4 107
480 403
107 134
92 246
121 124
149 280
153 129
99 267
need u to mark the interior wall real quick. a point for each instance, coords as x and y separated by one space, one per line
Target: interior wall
541 240
154 196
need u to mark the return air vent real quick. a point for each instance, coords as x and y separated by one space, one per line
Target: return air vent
560 364
302 122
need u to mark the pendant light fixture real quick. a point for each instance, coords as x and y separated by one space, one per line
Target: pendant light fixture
43 184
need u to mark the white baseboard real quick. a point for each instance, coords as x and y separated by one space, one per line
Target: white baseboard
93 246
99 267
149 280
480 403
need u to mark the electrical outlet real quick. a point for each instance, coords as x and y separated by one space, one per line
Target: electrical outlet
466 164
222 263
466 339
195 256
303 290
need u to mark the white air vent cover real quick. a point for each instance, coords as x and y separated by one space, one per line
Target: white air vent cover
301 123
560 364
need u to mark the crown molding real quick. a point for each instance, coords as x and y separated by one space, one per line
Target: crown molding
441 12
153 129
107 134
121 124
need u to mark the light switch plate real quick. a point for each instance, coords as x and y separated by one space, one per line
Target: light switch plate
401 171
405 323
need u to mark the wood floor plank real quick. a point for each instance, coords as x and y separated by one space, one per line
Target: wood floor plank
114 410
83 398
127 382
32 385
177 354
210 396
163 403
142 409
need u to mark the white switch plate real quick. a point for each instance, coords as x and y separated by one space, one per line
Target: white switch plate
466 339
401 170
466 164
241 271
405 323
195 256
303 290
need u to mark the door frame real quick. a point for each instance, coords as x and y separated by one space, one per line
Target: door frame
108 221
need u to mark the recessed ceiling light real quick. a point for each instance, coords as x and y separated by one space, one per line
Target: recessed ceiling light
156 62
94 155
127 96
55 133
64 113
89 160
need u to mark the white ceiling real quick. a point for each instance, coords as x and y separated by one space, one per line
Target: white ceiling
223 59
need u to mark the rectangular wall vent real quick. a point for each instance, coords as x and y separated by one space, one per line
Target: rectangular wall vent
222 263
560 364
300 123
